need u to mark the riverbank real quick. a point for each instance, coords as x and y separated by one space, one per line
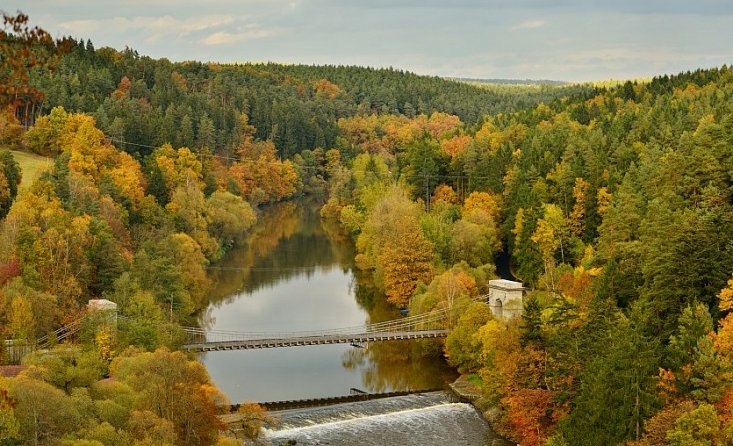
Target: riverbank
467 391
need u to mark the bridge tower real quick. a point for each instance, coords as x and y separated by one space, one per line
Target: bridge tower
506 298
104 308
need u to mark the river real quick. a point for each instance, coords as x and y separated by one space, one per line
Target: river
296 272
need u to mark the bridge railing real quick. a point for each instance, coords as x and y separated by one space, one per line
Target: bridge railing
61 334
196 336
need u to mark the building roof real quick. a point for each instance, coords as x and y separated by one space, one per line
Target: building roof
506 284
102 304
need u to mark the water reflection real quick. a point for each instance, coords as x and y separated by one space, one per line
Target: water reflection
296 273
398 365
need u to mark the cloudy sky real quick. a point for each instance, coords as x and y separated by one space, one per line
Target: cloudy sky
574 40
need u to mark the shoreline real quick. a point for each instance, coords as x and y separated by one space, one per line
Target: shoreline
469 393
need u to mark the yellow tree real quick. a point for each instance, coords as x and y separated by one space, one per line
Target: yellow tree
179 168
604 200
445 194
20 319
43 411
577 215
90 155
149 429
463 346
260 175
406 262
173 388
189 210
393 245
450 290
455 146
440 124
52 245
229 216
9 425
189 256
326 88
250 419
724 338
489 203
725 297
548 235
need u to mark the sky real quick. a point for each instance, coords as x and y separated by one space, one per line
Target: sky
571 40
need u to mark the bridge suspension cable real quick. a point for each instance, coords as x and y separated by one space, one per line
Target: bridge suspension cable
407 327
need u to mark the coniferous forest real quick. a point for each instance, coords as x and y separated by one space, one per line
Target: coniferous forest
614 205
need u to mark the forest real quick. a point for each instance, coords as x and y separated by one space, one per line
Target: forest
138 101
616 211
615 205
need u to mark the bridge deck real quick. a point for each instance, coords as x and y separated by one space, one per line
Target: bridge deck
245 344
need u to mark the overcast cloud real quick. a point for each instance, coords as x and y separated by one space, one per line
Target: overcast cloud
573 40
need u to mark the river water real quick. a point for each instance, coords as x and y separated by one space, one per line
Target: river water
295 273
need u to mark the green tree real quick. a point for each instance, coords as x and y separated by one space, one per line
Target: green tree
694 323
173 388
532 323
10 176
67 367
463 346
229 217
9 425
206 134
475 238
699 427
43 411
617 391
44 137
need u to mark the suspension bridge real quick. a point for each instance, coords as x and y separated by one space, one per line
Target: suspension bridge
423 326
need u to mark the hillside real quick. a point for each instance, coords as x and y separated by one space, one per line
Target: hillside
512 82
617 210
145 101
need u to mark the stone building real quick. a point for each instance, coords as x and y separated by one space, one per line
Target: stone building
506 298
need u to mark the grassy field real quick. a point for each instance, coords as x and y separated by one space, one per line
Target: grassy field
31 165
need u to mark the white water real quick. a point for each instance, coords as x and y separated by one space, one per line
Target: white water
423 420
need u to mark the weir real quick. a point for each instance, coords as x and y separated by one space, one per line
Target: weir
326 401
425 419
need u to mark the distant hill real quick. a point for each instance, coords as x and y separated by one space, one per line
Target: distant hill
519 82
147 102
